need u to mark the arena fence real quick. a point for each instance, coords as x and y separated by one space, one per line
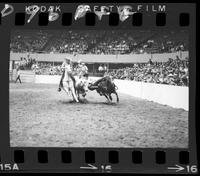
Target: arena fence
174 96
11 76
27 76
94 58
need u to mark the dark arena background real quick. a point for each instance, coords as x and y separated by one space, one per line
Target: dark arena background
150 69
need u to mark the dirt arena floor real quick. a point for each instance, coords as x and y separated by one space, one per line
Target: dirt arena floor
42 117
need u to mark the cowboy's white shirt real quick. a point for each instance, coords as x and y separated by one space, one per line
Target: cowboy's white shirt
82 70
67 67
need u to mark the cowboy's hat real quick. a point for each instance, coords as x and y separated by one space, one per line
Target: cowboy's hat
68 58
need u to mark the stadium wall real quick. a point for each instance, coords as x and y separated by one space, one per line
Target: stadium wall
92 58
174 96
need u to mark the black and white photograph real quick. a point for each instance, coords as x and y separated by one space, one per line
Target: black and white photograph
99 88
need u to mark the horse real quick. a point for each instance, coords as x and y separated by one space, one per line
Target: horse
105 87
68 84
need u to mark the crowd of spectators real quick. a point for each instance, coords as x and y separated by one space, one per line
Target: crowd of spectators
26 63
99 42
29 41
172 72
46 69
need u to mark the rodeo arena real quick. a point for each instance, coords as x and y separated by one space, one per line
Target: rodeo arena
99 88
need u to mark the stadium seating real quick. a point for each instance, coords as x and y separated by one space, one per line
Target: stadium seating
172 72
99 42
109 42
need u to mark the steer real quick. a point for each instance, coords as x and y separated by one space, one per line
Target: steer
105 86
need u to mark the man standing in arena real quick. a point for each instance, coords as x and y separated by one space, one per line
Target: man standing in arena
67 69
18 74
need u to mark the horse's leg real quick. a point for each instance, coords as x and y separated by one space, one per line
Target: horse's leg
117 96
65 88
78 94
72 89
74 95
107 97
61 82
110 97
71 94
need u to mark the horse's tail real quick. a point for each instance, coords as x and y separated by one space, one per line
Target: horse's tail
74 81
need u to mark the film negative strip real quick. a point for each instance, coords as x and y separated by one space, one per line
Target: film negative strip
98 88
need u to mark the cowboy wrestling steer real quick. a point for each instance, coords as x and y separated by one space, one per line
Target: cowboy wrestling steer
79 87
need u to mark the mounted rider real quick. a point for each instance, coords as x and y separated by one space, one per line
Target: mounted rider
67 71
